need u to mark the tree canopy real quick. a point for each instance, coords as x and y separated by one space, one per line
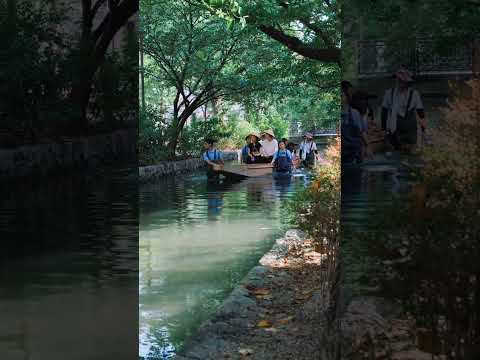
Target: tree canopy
445 21
306 27
196 60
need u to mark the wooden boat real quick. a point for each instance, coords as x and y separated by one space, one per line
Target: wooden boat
245 170
376 139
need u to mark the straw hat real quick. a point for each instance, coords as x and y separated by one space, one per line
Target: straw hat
252 134
269 132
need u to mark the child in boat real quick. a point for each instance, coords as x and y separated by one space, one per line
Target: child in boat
251 151
212 157
282 159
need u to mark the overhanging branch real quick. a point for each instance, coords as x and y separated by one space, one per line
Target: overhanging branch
329 55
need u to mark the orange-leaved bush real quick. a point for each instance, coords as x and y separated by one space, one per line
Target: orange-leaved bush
452 164
317 210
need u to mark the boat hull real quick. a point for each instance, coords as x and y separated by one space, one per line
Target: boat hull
246 170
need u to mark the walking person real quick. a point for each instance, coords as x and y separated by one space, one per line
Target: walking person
354 136
359 102
308 150
282 159
402 110
213 158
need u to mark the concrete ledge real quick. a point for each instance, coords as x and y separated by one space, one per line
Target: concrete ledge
235 315
75 153
155 172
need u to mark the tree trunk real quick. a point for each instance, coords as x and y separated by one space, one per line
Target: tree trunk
94 44
204 110
476 58
142 73
178 125
216 105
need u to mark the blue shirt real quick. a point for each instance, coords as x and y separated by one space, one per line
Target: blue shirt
282 153
212 155
352 128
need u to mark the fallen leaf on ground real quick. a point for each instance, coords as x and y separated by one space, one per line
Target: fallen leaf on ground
272 330
264 324
285 320
260 292
245 352
304 296
318 248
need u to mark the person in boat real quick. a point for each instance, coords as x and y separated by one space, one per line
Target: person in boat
308 150
354 136
282 159
212 157
401 106
269 146
251 150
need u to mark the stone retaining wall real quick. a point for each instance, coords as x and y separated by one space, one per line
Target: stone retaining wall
76 153
155 172
219 333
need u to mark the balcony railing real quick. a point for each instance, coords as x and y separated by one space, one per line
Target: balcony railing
377 58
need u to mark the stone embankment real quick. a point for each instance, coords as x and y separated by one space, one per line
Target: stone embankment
67 155
154 172
275 313
283 310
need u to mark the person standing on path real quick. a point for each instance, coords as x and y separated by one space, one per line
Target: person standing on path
402 109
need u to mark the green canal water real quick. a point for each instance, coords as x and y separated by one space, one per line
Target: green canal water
69 267
197 241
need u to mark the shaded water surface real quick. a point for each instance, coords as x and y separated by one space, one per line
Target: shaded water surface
69 267
366 188
197 241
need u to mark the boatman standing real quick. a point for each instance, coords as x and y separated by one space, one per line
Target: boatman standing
401 106
212 158
308 150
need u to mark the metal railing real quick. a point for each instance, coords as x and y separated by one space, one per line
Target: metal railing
377 58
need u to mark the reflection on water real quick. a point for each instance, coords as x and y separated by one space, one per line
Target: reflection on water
197 241
69 268
366 188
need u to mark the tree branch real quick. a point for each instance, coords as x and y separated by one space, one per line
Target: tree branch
97 6
329 55
314 27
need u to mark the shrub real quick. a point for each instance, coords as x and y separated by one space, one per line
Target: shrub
316 210
430 242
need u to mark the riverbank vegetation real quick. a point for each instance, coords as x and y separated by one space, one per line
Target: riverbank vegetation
59 78
316 211
424 251
209 75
